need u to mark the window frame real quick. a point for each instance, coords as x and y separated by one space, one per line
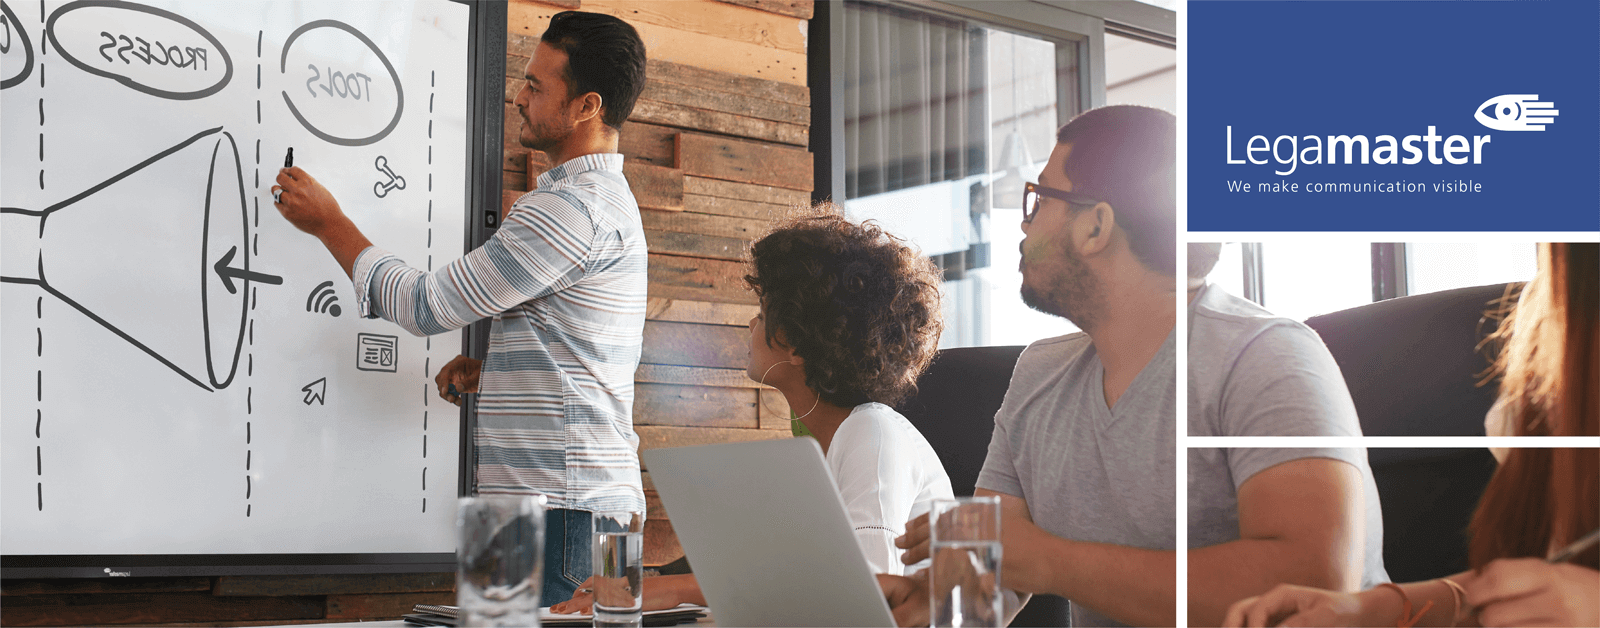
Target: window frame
1079 25
1391 271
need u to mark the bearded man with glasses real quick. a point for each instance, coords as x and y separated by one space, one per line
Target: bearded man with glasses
1083 452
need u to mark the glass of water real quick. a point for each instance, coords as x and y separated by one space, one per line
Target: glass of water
500 559
618 561
964 579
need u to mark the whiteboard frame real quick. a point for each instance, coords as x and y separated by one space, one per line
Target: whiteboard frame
486 57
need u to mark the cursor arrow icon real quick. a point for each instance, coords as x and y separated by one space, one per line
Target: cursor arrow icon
229 273
316 390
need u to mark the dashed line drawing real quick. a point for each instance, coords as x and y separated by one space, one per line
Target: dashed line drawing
256 247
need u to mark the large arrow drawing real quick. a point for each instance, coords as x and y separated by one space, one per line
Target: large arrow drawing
228 273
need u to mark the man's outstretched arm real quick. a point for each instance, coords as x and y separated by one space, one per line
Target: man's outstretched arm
1129 584
542 247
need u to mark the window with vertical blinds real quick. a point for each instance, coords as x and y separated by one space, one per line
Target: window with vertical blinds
944 120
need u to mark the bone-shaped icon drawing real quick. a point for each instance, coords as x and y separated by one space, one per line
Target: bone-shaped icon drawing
395 181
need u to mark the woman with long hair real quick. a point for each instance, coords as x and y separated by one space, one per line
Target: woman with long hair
1540 503
849 319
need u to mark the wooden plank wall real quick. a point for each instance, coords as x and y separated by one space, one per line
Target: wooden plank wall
715 149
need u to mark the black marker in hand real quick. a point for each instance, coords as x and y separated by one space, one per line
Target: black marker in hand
288 162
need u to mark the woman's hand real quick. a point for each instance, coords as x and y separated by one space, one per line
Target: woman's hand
1531 592
1290 605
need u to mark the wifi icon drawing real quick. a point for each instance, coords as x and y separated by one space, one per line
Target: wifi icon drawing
323 299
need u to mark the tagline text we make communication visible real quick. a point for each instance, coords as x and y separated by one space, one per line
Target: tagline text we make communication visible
1374 186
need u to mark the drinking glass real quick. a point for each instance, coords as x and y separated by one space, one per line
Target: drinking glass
618 561
500 559
964 579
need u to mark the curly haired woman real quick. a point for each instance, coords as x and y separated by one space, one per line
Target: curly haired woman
850 317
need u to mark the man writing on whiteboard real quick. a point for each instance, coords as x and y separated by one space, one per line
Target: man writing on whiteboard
564 280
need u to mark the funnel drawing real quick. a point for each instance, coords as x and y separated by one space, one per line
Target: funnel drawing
123 253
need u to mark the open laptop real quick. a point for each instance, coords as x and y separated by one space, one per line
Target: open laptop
767 534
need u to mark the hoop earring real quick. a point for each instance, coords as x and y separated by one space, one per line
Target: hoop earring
763 382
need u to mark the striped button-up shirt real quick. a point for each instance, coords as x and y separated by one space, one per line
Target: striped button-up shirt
564 279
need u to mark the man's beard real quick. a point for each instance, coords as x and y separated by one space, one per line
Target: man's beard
1074 293
544 137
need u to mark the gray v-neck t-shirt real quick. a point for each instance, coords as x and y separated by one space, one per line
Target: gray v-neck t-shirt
1089 473
1106 475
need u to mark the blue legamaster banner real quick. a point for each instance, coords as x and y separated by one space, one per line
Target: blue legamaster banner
1394 116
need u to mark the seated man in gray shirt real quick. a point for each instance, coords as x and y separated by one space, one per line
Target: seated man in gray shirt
1255 374
1083 451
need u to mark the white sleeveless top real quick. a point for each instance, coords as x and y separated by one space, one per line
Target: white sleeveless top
887 474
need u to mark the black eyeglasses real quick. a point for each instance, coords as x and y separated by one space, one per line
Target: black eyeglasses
1032 193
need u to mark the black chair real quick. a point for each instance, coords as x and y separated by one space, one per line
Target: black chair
1412 365
954 409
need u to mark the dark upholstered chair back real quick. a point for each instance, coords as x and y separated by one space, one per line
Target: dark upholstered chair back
954 409
1412 365
955 404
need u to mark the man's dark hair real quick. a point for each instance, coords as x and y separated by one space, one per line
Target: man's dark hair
604 56
859 305
1127 156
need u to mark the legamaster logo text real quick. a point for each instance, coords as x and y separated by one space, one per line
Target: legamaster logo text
1510 112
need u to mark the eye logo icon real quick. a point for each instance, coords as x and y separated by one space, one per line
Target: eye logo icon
1516 112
